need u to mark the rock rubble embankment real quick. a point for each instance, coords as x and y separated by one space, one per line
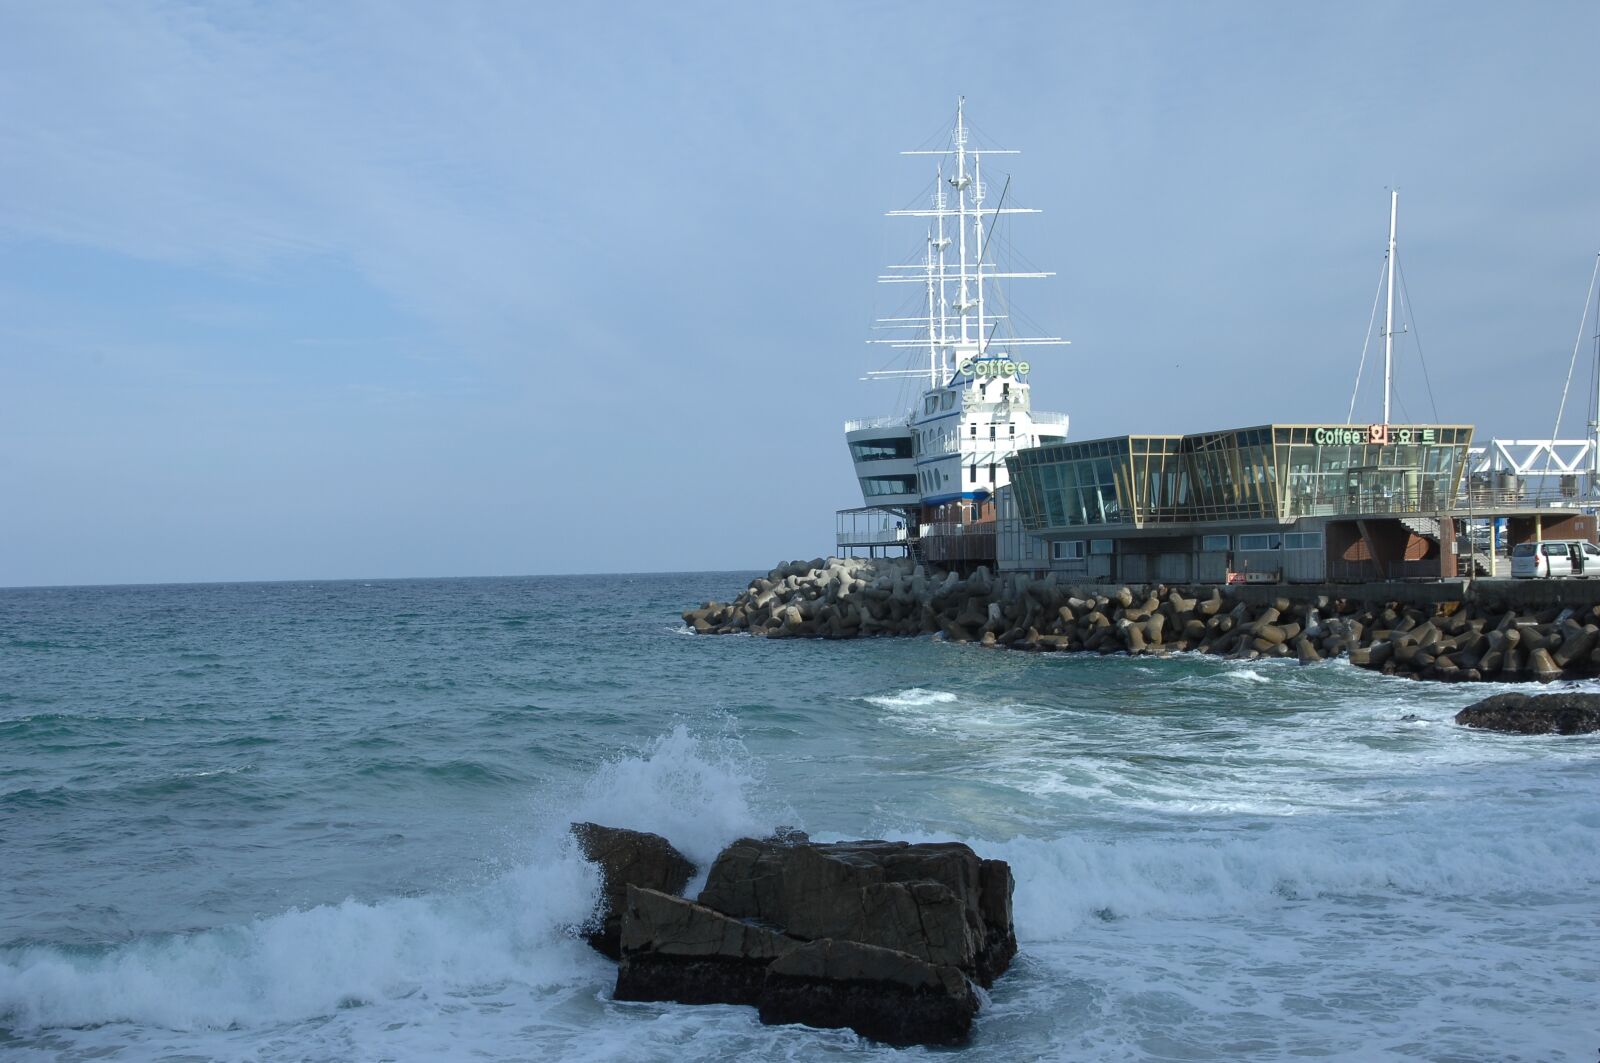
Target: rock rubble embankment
885 938
1453 641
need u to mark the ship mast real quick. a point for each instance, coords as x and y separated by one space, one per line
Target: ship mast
939 204
960 183
936 273
1388 314
977 232
1594 419
934 357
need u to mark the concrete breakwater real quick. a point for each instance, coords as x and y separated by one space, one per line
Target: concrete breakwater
1427 631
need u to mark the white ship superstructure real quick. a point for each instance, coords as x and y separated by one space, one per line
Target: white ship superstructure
941 462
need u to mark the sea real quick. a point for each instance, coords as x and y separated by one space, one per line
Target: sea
327 821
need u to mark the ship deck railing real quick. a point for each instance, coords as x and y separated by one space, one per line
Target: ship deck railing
870 526
890 421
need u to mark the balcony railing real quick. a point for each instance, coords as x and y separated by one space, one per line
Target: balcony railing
869 526
891 421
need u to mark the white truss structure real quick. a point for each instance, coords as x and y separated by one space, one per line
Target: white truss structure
1533 457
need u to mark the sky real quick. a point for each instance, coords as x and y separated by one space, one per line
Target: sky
387 289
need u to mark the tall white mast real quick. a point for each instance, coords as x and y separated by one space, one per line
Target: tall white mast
939 202
1594 411
934 270
1388 315
933 337
977 234
960 183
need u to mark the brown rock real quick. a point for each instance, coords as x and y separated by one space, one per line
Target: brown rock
879 993
627 858
1535 714
673 949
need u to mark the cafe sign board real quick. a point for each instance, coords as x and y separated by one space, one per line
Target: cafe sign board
1376 435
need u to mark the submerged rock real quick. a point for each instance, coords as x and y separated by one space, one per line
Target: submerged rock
1535 714
627 858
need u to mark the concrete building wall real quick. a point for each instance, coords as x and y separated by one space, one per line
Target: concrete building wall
1527 528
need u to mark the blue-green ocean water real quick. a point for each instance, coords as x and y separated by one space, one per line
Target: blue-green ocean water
325 821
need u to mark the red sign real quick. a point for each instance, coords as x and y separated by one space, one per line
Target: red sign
1378 435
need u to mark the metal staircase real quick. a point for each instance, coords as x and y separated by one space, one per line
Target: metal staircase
1427 527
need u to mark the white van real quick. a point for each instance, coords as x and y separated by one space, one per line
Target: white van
1555 557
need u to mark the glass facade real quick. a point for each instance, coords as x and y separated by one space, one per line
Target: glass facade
881 449
878 486
1086 484
1271 472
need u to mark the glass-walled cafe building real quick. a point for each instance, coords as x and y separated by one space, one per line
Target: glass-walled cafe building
1301 503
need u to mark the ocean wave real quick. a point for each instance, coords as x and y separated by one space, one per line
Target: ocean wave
697 791
306 963
460 771
1067 882
915 697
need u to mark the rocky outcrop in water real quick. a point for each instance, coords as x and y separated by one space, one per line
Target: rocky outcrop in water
1452 641
937 901
627 858
877 992
1537 714
885 938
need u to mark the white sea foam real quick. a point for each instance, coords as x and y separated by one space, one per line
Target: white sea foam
1064 883
696 791
301 964
915 697
424 951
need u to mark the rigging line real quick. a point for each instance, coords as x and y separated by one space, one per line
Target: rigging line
1349 417
1416 335
921 198
1583 323
994 220
1594 396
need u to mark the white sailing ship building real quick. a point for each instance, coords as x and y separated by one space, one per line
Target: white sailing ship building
929 475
